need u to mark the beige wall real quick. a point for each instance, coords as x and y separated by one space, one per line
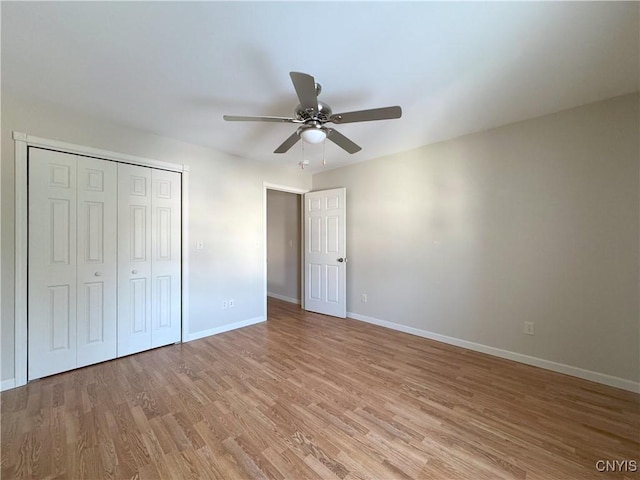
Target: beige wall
283 245
536 221
226 212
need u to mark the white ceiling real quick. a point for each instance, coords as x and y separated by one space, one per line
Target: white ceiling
174 68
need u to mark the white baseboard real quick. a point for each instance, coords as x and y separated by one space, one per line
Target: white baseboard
7 384
516 357
224 328
282 297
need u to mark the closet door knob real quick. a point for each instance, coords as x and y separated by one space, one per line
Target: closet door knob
98 274
134 271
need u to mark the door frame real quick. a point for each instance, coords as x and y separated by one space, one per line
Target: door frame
22 142
281 188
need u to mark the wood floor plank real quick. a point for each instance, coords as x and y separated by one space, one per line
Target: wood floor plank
308 396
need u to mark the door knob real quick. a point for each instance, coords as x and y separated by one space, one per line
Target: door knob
342 259
97 274
134 271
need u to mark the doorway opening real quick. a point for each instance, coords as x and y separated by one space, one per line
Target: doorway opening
285 205
284 246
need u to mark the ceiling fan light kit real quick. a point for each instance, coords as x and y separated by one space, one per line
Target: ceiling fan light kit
313 115
313 134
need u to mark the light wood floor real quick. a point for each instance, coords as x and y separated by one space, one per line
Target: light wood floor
308 396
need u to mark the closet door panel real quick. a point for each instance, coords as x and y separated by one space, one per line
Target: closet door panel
97 243
134 259
166 255
52 263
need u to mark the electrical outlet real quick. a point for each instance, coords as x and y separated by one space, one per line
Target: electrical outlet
528 328
232 303
364 298
225 304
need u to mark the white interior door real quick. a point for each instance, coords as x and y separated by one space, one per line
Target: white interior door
134 259
96 260
166 254
52 263
325 252
104 263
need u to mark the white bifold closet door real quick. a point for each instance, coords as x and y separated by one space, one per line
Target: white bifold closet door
149 275
72 262
97 260
104 260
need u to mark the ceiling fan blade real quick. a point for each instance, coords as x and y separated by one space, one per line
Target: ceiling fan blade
305 86
240 118
385 113
288 143
342 141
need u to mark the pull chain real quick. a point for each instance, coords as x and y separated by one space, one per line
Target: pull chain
304 162
324 150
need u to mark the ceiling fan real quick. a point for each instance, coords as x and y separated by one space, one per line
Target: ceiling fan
312 115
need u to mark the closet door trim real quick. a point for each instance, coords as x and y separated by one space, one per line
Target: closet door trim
22 142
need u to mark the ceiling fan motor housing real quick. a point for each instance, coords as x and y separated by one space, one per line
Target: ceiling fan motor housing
323 113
